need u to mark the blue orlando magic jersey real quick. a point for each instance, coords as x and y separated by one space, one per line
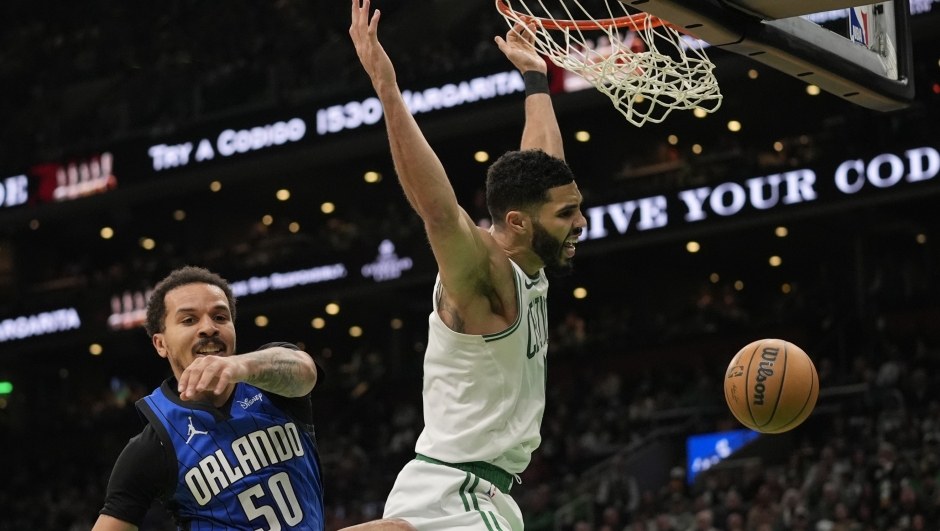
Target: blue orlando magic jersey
255 468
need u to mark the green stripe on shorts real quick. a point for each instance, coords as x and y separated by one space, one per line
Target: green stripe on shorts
495 521
466 506
476 481
485 521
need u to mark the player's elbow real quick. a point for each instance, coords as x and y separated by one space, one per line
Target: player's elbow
306 374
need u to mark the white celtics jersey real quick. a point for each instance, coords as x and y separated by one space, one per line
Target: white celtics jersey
484 396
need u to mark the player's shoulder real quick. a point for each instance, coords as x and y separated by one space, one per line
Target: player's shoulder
497 255
144 449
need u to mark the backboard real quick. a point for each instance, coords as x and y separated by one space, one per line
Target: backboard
871 65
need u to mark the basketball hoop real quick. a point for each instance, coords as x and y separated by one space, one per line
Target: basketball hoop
645 82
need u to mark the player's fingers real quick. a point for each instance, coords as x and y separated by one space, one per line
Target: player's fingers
225 376
192 374
374 25
208 375
500 42
181 384
530 33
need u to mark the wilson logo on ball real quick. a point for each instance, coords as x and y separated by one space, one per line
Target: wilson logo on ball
771 386
765 370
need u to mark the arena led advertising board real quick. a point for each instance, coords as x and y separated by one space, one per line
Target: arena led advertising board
707 450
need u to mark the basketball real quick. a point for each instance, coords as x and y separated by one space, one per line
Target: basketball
771 386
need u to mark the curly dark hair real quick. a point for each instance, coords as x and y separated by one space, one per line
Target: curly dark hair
520 180
156 306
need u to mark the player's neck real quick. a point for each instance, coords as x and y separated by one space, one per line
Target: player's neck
216 400
220 399
519 252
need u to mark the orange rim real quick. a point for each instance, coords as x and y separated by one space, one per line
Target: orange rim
638 22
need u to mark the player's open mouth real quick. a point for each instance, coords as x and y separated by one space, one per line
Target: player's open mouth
210 350
569 247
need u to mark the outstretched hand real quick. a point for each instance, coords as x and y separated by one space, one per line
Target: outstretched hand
520 50
365 37
210 374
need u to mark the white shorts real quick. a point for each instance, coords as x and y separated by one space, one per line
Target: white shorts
435 497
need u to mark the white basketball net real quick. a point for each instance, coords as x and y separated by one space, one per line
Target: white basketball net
669 71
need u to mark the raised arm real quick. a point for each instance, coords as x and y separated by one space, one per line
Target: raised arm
541 128
458 245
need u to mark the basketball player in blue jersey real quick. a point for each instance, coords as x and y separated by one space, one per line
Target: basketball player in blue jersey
484 368
228 442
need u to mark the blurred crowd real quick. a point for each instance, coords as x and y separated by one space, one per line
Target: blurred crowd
868 460
84 75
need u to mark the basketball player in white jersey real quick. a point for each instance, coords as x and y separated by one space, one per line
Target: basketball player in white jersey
484 369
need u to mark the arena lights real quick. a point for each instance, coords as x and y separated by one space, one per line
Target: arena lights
693 247
318 323
107 233
179 215
775 261
921 238
812 90
327 208
785 288
372 177
778 146
6 388
355 331
261 321
481 156
738 285
283 194
582 136
714 278
697 149
34 224
673 139
700 113
781 232
752 74
148 243
332 308
267 219
95 349
579 293
215 186
397 324
734 126
294 227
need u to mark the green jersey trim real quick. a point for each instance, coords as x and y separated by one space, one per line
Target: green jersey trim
499 335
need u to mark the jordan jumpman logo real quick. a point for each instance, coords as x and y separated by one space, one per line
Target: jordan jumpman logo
193 431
